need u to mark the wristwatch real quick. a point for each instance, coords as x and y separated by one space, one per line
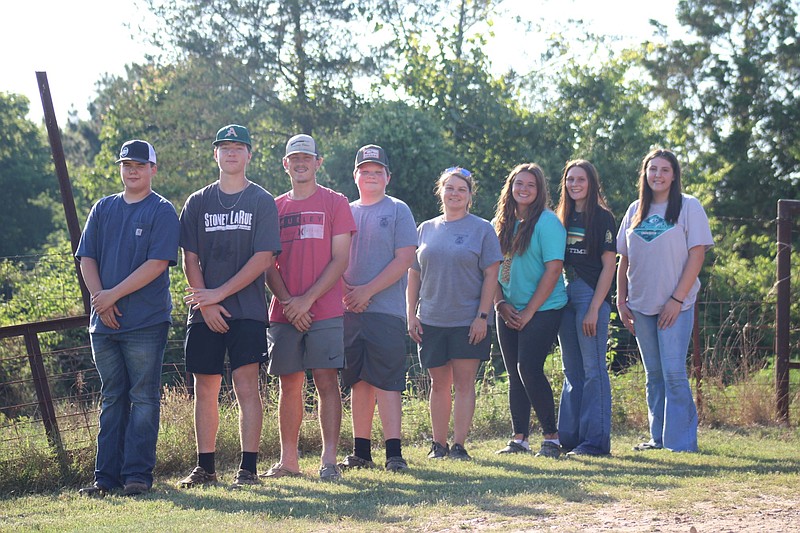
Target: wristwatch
484 316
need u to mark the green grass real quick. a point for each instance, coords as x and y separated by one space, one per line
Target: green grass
739 477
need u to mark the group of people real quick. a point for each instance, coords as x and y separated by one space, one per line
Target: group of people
349 281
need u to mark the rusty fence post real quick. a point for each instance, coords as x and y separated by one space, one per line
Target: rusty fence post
43 395
786 210
697 361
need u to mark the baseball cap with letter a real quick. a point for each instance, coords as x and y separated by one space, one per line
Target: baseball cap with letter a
233 133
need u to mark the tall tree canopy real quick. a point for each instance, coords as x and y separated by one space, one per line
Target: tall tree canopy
27 179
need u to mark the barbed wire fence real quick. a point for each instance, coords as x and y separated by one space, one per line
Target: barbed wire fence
736 347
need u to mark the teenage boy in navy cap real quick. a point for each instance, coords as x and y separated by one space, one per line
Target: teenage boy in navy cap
127 244
229 236
375 299
306 310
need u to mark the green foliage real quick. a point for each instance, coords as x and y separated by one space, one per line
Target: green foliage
27 179
733 89
417 145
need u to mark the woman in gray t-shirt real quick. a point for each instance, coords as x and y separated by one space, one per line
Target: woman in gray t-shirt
449 298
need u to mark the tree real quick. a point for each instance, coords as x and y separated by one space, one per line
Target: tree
441 67
601 113
416 143
734 89
27 179
296 58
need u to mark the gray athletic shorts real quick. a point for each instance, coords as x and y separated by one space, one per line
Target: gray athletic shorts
375 350
291 351
440 345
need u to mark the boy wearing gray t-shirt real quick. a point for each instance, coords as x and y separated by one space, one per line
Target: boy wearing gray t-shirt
374 322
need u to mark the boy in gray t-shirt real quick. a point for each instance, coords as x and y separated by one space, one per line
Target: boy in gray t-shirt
374 323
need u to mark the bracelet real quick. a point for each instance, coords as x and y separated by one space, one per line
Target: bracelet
679 301
498 304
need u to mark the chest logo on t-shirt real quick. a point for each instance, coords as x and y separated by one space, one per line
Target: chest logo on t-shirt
652 227
303 225
384 221
460 238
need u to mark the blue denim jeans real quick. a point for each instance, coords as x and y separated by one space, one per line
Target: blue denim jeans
129 365
584 413
670 406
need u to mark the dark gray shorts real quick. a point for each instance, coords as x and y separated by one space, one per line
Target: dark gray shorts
245 342
375 350
291 351
439 345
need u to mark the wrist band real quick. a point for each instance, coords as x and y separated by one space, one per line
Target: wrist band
679 301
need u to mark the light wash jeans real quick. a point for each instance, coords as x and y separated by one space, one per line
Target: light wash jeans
670 406
584 413
129 365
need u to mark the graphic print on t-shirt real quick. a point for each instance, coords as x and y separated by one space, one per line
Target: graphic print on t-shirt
302 225
575 234
652 227
230 221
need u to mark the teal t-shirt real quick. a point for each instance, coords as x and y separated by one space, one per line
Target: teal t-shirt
519 275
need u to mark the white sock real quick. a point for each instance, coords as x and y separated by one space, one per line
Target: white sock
523 443
554 441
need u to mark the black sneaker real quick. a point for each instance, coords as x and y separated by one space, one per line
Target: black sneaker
396 464
459 453
549 449
244 477
199 476
438 451
134 488
95 490
513 447
354 461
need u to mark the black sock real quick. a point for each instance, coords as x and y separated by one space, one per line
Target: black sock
206 462
248 462
362 448
393 448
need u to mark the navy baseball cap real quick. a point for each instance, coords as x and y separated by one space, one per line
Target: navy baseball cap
136 150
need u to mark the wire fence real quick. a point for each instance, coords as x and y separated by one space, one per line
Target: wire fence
735 384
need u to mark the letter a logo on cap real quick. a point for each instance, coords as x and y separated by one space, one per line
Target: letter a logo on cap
231 132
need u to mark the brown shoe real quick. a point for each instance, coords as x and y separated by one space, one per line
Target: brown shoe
277 470
199 476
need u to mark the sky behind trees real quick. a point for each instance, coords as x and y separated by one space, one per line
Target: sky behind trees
78 42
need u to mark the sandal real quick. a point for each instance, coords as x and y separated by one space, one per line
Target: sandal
277 470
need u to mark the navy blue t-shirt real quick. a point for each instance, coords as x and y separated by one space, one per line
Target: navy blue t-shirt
120 237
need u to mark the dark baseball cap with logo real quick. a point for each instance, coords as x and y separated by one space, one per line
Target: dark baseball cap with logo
371 153
233 133
137 150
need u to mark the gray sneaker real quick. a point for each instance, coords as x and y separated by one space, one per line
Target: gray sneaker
459 453
330 472
438 451
549 449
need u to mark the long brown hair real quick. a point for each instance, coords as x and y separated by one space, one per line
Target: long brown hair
506 213
595 199
674 200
